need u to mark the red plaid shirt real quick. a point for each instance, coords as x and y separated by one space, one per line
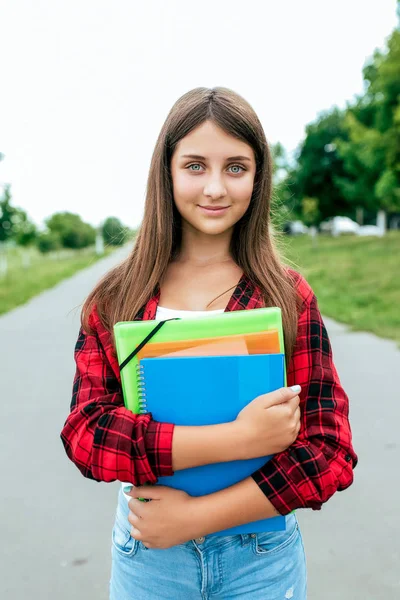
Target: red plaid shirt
107 442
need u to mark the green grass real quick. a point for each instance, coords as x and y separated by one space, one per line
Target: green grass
356 280
21 283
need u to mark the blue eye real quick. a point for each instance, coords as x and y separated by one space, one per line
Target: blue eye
236 167
194 165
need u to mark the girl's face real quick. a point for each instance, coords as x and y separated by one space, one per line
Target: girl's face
212 176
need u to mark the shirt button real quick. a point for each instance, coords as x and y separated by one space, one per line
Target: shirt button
253 535
200 540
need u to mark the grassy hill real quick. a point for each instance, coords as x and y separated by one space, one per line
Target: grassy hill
30 272
356 279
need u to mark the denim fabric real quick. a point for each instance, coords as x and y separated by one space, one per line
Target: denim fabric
262 566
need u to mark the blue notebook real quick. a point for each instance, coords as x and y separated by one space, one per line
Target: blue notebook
208 390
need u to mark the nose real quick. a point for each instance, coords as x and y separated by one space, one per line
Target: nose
214 189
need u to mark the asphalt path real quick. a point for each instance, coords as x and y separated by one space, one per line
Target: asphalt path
55 527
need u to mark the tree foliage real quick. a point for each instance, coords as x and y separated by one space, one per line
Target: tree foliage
350 158
71 230
372 152
319 164
114 232
48 241
15 224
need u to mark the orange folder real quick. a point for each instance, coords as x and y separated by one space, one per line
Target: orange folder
222 347
262 342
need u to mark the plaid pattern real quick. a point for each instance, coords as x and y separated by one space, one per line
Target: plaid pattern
107 442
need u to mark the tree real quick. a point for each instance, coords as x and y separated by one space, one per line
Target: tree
372 151
25 230
362 156
350 159
71 230
384 90
6 213
310 213
279 161
318 167
114 232
48 241
14 222
280 209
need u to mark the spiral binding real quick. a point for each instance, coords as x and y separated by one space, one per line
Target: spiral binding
142 400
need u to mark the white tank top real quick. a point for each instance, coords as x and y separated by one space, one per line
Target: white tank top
169 313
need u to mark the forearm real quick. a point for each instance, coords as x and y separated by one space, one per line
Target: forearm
120 451
241 503
204 445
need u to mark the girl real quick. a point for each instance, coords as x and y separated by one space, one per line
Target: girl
205 246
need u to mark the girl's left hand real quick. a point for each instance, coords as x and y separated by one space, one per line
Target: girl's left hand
166 521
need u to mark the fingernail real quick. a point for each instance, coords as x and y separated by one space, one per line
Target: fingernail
127 489
296 389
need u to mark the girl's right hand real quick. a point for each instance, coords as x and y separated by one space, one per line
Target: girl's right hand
270 423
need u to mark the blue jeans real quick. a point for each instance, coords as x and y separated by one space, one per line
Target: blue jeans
258 566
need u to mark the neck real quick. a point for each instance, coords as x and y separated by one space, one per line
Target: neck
200 249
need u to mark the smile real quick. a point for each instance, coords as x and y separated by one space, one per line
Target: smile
217 211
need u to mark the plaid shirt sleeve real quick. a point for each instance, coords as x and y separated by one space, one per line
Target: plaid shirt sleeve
321 460
103 438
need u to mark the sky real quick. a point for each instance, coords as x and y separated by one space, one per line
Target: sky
87 84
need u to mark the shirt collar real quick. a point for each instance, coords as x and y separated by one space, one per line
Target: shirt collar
246 295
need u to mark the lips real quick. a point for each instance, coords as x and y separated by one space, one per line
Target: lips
213 211
214 207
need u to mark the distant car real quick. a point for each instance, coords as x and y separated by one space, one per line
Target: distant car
339 225
370 230
295 228
342 225
326 226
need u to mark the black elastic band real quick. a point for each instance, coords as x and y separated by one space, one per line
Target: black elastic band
146 339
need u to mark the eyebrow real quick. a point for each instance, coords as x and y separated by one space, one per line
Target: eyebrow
198 157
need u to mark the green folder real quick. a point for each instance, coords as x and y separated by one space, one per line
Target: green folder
131 335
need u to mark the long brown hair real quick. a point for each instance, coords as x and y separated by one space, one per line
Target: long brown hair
124 290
